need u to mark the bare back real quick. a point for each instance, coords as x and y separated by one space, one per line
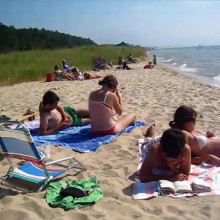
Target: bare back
100 108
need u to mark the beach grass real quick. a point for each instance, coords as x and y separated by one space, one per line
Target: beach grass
17 67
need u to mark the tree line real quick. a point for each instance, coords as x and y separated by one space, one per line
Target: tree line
12 39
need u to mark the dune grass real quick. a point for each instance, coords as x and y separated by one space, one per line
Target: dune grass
17 67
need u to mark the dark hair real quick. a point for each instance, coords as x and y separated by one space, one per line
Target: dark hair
173 142
110 81
50 97
182 115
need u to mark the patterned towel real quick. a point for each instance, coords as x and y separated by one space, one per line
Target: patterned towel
205 172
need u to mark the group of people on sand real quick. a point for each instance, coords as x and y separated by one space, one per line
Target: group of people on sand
150 64
71 73
178 148
100 114
175 150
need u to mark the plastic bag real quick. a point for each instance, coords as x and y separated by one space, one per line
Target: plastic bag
44 150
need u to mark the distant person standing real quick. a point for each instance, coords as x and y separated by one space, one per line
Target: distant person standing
154 60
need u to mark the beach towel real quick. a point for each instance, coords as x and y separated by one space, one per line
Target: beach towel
79 138
55 199
208 173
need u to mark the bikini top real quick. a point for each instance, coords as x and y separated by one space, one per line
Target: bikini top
103 103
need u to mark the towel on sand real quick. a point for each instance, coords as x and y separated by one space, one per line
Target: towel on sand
205 172
80 138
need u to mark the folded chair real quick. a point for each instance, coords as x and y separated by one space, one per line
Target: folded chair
18 143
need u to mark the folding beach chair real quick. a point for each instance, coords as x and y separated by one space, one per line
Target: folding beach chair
18 143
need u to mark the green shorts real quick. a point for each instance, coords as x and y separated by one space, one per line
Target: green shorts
76 120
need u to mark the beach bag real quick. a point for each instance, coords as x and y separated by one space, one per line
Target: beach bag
49 77
74 194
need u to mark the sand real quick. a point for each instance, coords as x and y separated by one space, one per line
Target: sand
153 95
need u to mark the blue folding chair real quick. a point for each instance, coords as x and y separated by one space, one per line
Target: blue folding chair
16 142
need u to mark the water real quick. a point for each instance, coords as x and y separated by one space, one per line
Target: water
202 63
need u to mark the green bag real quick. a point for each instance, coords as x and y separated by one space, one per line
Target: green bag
55 199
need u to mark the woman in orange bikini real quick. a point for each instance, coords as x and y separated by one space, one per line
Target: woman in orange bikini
102 102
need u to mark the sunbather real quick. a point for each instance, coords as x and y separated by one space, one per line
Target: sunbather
131 59
73 69
122 64
204 147
169 153
54 118
101 104
59 74
91 76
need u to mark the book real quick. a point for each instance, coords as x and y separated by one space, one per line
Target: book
175 187
200 186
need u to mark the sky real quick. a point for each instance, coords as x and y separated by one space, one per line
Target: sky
161 23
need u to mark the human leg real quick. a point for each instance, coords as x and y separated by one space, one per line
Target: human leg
65 76
151 131
83 113
124 122
86 121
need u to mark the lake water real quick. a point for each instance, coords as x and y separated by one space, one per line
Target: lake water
199 62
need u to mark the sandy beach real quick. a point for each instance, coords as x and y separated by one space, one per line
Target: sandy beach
153 95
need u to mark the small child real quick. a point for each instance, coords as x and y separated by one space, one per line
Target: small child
154 60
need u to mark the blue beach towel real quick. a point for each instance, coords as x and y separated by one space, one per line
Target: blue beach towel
80 138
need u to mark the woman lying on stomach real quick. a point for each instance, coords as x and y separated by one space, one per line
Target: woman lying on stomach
170 152
102 102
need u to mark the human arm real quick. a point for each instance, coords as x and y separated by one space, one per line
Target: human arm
117 103
64 115
146 172
119 97
44 119
210 134
186 160
208 158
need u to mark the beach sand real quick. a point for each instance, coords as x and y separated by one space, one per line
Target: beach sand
153 95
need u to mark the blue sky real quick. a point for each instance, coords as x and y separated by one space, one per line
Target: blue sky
146 22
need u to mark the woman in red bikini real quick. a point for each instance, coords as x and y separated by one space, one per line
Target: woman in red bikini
102 102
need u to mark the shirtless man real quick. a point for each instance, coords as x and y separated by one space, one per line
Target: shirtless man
54 118
170 153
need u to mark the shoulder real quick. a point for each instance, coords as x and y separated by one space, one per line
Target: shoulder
111 94
155 148
187 148
112 97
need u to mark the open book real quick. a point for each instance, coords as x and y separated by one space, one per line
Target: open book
175 187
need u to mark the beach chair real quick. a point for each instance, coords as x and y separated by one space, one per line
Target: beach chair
17 143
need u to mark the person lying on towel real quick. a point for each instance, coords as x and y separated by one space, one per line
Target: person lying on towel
54 118
170 152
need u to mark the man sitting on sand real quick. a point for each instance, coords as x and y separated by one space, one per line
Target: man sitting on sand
169 153
54 118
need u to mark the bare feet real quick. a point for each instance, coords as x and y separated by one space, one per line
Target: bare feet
151 131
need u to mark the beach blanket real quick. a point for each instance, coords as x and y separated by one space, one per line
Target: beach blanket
79 138
205 172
